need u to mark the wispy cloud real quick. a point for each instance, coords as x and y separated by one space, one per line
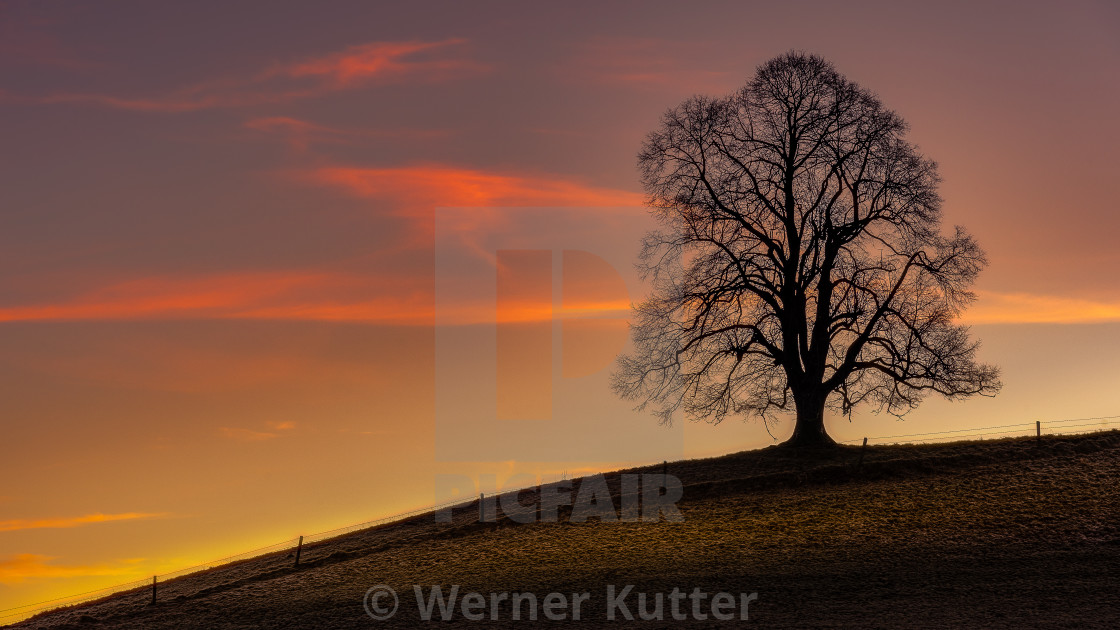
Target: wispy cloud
335 296
242 434
207 365
415 191
1026 308
366 64
246 435
378 61
72 521
20 567
303 296
423 187
344 297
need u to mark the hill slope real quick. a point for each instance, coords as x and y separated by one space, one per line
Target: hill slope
1008 533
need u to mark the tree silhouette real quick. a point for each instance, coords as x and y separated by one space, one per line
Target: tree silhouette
800 262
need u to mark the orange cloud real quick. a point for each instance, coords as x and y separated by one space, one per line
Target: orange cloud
374 62
418 189
246 435
378 60
433 185
512 312
290 296
20 567
264 295
213 363
74 521
381 298
249 435
1025 308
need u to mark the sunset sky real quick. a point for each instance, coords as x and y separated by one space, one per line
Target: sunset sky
222 265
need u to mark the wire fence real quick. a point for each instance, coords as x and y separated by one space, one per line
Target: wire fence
19 613
1069 426
1021 429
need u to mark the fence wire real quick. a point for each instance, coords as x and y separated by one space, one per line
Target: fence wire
143 586
1002 430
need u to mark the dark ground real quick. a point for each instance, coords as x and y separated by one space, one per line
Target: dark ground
996 534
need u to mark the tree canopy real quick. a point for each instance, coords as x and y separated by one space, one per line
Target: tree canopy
801 262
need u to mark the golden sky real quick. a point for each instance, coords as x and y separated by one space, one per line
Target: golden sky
222 256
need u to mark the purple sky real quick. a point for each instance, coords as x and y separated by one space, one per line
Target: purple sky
217 233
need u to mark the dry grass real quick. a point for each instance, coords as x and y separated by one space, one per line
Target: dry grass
1006 534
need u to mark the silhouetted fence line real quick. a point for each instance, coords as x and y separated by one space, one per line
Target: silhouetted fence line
299 544
1036 428
68 600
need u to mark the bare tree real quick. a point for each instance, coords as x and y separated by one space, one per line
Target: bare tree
800 263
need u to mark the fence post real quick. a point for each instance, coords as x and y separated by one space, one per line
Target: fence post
665 468
153 590
481 507
1038 430
862 450
299 550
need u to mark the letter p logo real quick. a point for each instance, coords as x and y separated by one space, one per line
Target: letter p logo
531 310
592 314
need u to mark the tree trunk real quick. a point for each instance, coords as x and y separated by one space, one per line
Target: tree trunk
809 431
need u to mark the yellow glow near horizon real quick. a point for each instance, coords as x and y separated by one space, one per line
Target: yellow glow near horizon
218 306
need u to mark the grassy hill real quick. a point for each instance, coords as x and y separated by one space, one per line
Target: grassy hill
1004 534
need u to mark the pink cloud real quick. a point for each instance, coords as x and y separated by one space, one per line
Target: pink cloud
380 61
366 64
